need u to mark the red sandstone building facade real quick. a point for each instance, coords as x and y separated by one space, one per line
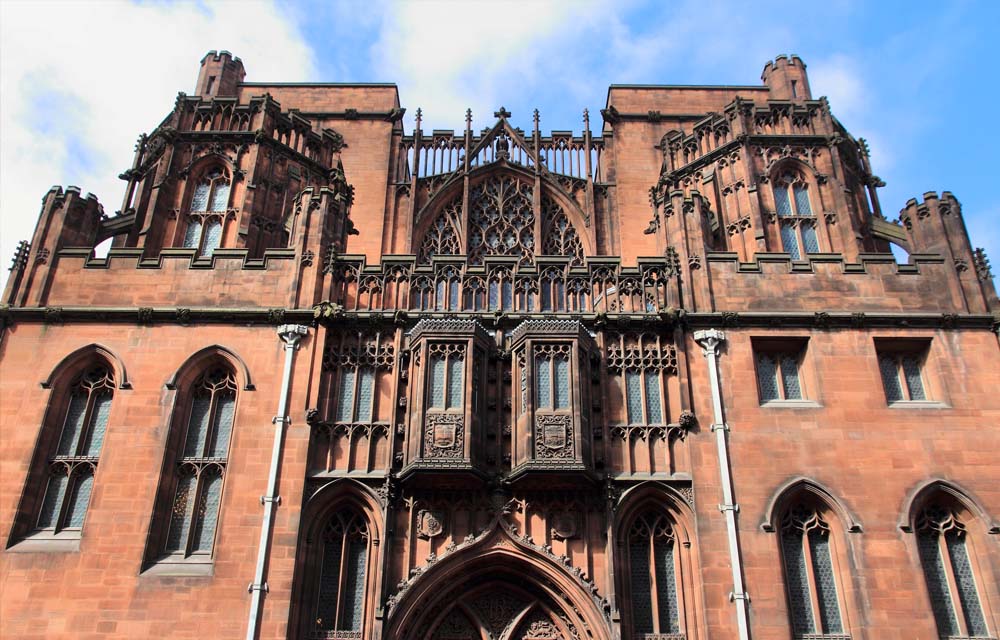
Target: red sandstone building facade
662 380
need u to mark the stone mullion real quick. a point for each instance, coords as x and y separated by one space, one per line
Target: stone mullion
654 593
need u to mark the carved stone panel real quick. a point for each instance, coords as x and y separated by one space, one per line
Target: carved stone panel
553 436
430 524
444 435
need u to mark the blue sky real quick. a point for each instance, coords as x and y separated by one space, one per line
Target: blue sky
917 79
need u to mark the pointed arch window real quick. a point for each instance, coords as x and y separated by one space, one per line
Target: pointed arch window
207 213
942 543
797 222
810 575
73 460
186 520
342 578
652 574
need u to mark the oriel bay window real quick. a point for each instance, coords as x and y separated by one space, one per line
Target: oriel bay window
446 400
555 364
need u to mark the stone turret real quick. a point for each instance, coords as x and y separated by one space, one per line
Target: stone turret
220 75
786 77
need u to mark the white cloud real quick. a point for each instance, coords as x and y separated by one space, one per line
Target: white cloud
79 81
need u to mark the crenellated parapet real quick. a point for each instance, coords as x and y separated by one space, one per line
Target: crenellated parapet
67 219
934 225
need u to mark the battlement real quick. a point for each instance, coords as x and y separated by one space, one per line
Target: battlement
787 79
220 74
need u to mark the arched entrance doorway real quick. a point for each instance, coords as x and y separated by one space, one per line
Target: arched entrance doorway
498 588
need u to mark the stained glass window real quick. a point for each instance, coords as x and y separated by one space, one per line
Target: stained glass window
211 196
802 207
199 202
366 391
456 366
901 375
781 202
911 373
809 241
810 582
653 404
941 544
341 583
543 382
201 467
633 390
71 467
562 382
790 241
345 394
653 576
437 380
778 375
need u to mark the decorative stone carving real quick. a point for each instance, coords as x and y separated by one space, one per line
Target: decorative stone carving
553 436
444 435
430 524
565 525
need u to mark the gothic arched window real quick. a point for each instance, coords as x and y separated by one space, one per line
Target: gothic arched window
73 440
652 575
797 222
206 215
942 543
187 509
202 464
810 577
441 238
341 580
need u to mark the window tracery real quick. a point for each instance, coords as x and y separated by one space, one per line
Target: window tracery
72 466
501 222
810 578
642 360
441 238
201 464
342 579
948 570
795 215
560 236
207 213
652 575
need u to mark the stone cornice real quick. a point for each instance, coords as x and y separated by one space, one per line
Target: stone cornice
824 320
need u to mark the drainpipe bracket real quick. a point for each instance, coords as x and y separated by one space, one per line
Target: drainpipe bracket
717 426
265 499
733 597
735 508
257 587
281 420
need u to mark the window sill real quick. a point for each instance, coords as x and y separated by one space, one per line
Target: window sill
172 566
791 404
48 542
918 404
